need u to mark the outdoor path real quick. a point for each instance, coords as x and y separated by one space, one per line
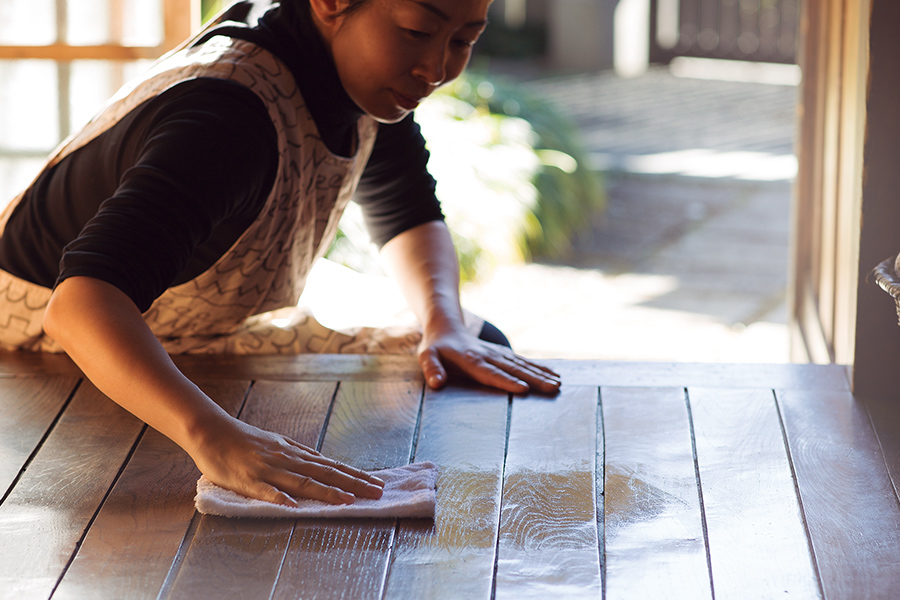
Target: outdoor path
690 259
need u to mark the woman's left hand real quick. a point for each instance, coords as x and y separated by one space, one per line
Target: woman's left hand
462 353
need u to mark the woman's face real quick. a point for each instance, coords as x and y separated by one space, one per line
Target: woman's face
391 54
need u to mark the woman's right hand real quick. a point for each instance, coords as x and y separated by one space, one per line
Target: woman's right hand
105 334
268 466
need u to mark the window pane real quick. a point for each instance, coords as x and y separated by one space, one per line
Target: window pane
94 82
128 22
29 119
27 22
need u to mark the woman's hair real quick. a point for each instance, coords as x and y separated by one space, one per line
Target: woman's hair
353 6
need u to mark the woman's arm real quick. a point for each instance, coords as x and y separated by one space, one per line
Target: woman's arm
423 261
103 332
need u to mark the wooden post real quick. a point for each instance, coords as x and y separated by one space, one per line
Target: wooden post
181 18
877 352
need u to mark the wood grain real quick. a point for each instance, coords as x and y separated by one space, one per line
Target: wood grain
28 407
306 367
548 542
131 545
884 414
44 517
241 558
463 431
757 540
331 367
36 364
654 542
372 426
850 503
667 374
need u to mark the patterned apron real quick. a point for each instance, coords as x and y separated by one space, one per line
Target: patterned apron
247 301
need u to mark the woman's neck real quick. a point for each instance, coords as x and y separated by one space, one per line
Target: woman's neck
297 42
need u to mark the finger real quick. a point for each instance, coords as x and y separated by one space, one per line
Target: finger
269 493
537 379
311 455
360 486
301 486
432 368
488 374
533 375
345 469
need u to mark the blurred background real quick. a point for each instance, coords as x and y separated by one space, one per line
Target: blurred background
618 173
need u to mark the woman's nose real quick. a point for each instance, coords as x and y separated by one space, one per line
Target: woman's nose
432 66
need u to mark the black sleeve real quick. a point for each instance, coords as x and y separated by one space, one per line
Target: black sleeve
396 191
204 158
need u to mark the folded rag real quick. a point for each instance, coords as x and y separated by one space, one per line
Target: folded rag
409 491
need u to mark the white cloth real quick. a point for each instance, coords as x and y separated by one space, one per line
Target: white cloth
409 491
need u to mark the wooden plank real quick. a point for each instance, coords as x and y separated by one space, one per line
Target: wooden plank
240 558
131 545
654 541
372 427
548 542
463 431
885 417
43 519
667 374
37 364
307 367
332 367
28 408
848 498
757 540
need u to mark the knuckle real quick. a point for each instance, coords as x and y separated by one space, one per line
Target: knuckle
303 483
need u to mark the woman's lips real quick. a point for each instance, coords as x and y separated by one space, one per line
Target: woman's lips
406 102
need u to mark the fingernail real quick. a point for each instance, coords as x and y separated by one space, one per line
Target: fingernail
377 481
346 498
374 491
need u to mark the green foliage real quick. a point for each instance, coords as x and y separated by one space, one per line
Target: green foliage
210 8
527 41
512 178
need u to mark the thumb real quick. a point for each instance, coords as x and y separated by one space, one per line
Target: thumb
430 362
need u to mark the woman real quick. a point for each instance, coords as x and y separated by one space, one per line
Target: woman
201 196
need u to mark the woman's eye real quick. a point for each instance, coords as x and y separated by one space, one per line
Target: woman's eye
419 35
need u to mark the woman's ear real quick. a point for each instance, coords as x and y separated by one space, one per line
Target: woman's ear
327 13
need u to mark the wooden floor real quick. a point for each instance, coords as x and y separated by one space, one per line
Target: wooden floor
637 481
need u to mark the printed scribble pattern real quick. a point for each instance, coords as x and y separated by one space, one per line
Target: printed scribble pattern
229 308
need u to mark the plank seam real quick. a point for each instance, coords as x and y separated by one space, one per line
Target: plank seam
87 528
290 538
600 480
40 443
790 458
690 414
414 448
509 406
415 441
166 587
887 468
328 413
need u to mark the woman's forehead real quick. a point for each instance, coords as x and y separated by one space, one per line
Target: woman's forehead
472 12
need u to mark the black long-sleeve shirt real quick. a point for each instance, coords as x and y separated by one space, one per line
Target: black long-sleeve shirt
155 200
